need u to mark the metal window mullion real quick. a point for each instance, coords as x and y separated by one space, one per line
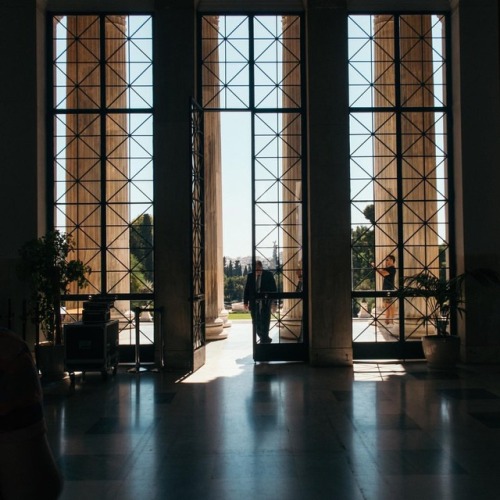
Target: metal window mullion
303 180
251 97
280 158
50 119
450 184
251 63
103 153
399 166
252 126
199 45
224 46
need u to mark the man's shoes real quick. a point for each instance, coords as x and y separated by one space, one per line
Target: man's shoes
266 340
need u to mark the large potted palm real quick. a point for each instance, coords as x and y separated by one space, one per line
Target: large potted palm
46 266
444 299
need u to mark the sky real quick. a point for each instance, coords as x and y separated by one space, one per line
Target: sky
236 184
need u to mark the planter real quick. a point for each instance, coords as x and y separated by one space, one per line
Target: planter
441 351
50 360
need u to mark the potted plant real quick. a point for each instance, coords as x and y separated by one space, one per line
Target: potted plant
46 266
444 298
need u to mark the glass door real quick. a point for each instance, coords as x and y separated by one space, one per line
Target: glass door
254 64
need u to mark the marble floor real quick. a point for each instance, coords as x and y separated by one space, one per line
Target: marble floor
240 430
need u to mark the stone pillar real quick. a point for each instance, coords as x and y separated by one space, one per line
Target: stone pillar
418 171
476 108
22 149
174 86
214 266
291 177
330 308
385 143
86 168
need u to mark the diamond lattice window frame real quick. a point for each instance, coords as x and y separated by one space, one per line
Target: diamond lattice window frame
102 156
400 160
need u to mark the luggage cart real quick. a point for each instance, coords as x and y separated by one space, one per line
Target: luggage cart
91 347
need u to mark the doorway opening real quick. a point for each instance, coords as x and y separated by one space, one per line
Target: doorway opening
252 65
236 180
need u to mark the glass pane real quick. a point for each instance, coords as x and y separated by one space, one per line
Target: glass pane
399 167
103 160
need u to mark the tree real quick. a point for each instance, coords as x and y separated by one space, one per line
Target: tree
230 270
141 244
138 281
363 253
233 288
276 260
237 268
369 213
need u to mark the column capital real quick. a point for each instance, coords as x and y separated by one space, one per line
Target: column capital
326 4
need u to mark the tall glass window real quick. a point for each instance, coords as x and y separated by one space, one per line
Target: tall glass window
399 163
102 163
254 64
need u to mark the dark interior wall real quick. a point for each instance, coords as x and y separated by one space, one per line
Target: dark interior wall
476 111
22 145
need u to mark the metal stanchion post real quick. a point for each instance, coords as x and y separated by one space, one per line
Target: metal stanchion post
162 353
162 343
137 368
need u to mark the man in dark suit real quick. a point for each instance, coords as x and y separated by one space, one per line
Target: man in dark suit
260 307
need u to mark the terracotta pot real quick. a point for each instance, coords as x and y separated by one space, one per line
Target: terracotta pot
441 351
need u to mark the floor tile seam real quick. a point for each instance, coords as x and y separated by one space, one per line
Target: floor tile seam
476 444
132 459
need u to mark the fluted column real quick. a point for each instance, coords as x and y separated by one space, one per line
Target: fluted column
418 169
117 164
291 177
86 168
328 186
214 265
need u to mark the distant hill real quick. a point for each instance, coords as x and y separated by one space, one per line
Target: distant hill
246 261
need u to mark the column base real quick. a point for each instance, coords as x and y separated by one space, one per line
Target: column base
214 329
331 357
290 329
224 314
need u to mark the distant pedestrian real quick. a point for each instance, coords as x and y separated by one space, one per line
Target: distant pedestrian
255 299
389 275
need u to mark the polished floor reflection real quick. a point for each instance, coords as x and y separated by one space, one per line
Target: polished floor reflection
285 431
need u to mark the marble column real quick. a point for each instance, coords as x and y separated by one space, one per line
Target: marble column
174 86
420 243
89 163
329 242
291 177
214 266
